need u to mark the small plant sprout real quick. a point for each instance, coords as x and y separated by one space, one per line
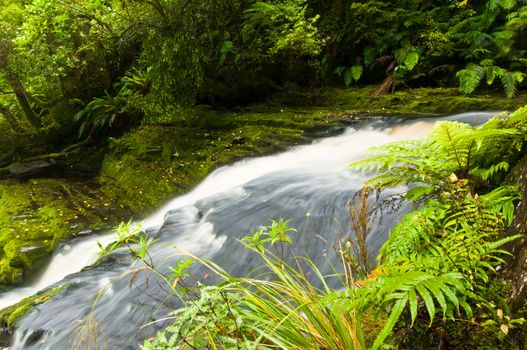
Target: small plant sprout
126 233
179 271
275 234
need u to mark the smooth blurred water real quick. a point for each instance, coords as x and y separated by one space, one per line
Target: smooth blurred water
310 185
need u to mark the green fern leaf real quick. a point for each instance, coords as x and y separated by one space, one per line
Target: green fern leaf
356 72
508 4
518 76
412 299
469 78
490 73
428 300
416 193
396 312
508 81
411 60
436 290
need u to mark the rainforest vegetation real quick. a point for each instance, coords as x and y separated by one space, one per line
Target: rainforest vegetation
108 108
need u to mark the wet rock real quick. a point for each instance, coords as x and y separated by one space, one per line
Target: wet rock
238 140
87 164
83 233
24 254
336 130
35 337
27 169
28 249
153 150
5 337
87 232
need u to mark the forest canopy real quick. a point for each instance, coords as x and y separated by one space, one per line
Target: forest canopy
93 64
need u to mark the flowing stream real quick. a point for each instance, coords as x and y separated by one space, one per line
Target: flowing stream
310 185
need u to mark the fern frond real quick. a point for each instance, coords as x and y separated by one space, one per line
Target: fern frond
490 73
469 78
509 82
411 60
501 201
518 119
410 235
488 173
443 292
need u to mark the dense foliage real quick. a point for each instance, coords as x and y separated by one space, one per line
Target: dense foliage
113 63
73 72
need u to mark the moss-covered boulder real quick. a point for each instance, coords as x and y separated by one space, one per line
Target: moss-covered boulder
36 215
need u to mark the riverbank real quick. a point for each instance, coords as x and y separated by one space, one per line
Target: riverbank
150 164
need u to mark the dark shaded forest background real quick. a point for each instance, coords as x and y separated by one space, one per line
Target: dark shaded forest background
74 69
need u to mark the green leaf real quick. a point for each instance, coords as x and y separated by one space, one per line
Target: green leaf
412 299
490 73
469 78
348 77
356 72
395 313
411 60
436 289
418 192
508 81
428 300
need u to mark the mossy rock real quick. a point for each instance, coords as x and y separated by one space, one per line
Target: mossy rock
24 254
17 314
11 315
36 215
148 165
418 101
9 274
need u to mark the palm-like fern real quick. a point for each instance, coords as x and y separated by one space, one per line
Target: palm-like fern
442 255
471 76
452 148
397 291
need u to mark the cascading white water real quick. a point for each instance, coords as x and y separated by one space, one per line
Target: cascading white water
310 183
68 259
331 154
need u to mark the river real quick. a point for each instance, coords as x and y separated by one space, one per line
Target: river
310 185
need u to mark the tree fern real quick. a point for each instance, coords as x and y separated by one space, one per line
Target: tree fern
452 148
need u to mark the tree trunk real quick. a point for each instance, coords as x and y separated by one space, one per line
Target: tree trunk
11 120
20 92
516 271
22 97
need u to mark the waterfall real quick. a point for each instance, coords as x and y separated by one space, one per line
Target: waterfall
310 185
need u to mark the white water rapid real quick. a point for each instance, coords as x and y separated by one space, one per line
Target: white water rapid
310 184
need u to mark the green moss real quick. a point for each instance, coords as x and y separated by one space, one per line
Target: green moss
36 215
17 314
147 166
11 315
9 274
152 163
418 101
